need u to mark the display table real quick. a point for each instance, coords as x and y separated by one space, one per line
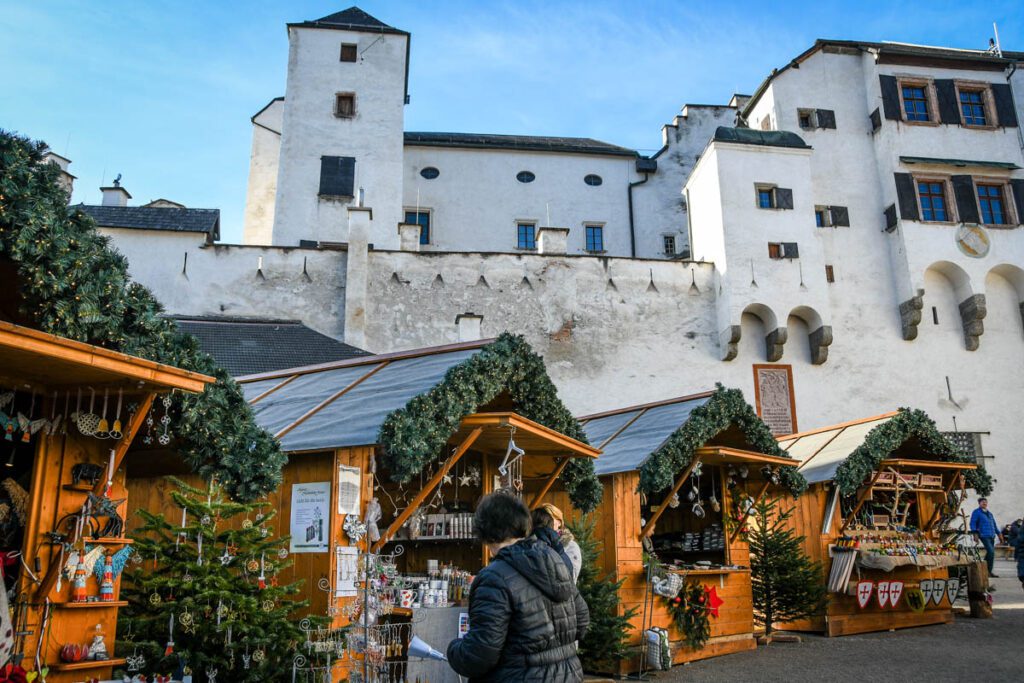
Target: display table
870 560
437 627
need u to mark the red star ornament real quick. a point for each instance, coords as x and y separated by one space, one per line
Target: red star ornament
714 602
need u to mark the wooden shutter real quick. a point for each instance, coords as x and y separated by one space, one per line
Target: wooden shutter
348 52
949 104
906 196
890 97
774 250
1017 187
1005 111
783 198
966 201
790 250
840 215
337 176
876 120
890 218
826 118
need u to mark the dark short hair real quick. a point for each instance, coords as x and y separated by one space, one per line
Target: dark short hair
499 517
982 500
542 517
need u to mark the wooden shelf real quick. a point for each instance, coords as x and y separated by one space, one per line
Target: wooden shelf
433 539
110 540
114 661
80 488
91 605
709 571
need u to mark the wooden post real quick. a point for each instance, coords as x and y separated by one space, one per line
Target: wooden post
937 513
428 489
649 528
549 483
977 586
860 501
746 515
129 435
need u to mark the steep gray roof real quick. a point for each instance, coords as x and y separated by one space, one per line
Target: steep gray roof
155 218
531 143
351 19
766 138
246 346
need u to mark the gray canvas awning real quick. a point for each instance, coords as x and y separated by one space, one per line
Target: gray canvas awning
630 435
822 451
341 404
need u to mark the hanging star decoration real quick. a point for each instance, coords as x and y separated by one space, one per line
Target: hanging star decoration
714 602
465 478
446 479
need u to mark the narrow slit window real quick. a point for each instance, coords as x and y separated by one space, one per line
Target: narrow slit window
830 275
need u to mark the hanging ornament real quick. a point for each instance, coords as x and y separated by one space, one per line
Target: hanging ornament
165 438
354 528
186 579
187 621
258 656
713 501
135 661
206 520
211 675
282 553
246 523
148 439
372 517
744 471
268 606
103 427
252 566
261 581
246 658
116 430
228 556
199 550
169 650
110 474
674 501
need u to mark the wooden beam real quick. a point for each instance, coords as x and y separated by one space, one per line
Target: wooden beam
129 435
860 501
937 513
428 489
548 484
272 389
746 515
329 400
664 504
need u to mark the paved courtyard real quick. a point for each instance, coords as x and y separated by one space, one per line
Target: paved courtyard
988 650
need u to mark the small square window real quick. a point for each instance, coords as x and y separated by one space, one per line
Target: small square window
830 275
345 105
765 198
774 250
595 238
669 244
526 237
348 52
805 117
915 102
972 106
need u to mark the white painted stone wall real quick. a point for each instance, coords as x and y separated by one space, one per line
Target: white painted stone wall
476 201
263 168
292 283
374 136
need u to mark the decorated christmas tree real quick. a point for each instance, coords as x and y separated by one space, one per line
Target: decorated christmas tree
605 642
203 593
786 584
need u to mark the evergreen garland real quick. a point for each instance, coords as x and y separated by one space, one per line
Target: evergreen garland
72 283
412 438
689 610
726 407
605 642
887 437
785 584
220 612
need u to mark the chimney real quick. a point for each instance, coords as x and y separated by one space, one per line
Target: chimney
552 240
115 195
67 180
469 326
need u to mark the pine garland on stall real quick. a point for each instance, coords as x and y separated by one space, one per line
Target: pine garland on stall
72 283
725 408
887 437
223 621
689 610
605 642
785 583
413 438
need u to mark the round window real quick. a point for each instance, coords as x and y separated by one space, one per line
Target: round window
430 173
592 179
525 177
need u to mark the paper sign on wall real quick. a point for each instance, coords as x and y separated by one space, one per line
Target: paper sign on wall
346 571
349 479
310 507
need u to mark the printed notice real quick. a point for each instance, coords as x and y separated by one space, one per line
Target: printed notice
310 506
346 571
774 385
348 490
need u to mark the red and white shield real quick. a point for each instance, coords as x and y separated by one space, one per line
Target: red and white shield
895 592
883 594
864 590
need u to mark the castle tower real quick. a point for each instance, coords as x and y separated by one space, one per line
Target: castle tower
341 141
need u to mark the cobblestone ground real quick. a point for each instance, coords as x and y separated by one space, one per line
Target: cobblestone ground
968 649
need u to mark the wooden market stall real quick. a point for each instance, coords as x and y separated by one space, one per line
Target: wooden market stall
698 462
388 456
63 485
874 516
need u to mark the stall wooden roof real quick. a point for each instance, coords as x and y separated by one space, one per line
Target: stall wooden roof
46 362
535 439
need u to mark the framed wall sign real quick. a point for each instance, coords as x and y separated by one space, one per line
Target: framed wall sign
774 398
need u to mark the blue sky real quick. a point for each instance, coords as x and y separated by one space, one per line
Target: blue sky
162 92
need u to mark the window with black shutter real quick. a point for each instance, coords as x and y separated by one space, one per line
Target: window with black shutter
949 109
774 250
790 250
840 216
826 118
890 218
905 197
337 176
966 202
1017 188
783 198
1005 110
890 97
876 120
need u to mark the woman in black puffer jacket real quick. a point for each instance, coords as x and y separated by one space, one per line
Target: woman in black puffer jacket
525 613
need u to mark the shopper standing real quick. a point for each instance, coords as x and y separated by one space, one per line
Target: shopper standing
985 529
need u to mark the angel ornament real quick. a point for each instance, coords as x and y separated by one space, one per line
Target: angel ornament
371 519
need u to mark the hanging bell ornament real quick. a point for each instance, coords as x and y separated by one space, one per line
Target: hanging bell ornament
674 501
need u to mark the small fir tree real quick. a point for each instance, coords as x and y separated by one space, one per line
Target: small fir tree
230 615
786 584
605 642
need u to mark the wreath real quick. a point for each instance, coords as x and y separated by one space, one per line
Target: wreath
691 610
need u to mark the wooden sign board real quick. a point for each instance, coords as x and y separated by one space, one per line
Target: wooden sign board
773 397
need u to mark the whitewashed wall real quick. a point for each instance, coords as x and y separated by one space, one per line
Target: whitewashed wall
263 168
